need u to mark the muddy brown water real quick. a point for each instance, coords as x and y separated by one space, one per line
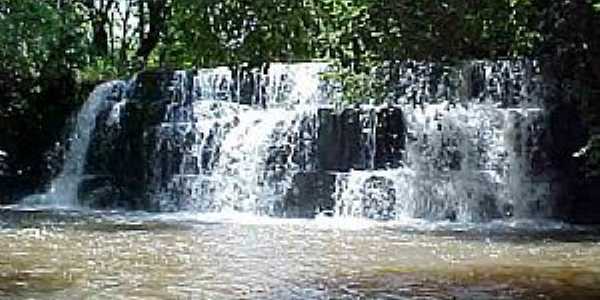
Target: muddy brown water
46 254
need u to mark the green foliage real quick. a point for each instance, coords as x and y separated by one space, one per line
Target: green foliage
363 86
29 29
355 34
40 44
101 70
98 40
209 33
37 36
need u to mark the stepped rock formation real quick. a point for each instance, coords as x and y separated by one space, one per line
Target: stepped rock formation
472 143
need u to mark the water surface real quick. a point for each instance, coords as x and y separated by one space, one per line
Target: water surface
54 254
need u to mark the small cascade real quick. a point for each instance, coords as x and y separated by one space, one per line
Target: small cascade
63 191
240 146
114 117
473 149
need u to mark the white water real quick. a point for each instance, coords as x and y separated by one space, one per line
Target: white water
468 154
64 187
470 161
477 154
234 143
241 156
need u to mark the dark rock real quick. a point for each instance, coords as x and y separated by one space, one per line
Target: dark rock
576 195
390 138
14 188
585 205
3 163
339 144
488 208
567 134
127 152
310 193
151 86
343 139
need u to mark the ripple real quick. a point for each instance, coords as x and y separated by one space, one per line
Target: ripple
82 254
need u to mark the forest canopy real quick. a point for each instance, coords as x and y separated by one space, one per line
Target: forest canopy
89 40
111 37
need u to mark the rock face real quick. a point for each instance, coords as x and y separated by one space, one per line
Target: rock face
310 194
15 187
340 141
124 145
584 205
360 138
569 149
390 138
351 139
148 150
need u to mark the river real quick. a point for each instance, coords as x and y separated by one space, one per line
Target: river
60 254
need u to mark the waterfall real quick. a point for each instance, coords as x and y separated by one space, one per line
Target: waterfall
471 157
460 143
63 191
243 142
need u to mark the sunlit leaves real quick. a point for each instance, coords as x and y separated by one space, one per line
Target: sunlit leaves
231 32
355 34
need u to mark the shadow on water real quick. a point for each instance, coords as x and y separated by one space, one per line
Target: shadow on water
33 284
511 232
590 235
467 282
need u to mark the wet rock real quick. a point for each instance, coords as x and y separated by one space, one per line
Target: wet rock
14 188
508 210
339 144
378 199
3 163
151 86
98 192
566 135
577 193
310 194
251 90
584 206
152 141
390 138
360 139
488 208
128 150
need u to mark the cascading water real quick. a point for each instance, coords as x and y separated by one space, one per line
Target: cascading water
468 157
63 191
240 157
451 143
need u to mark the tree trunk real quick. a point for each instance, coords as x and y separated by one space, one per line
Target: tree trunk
99 19
157 12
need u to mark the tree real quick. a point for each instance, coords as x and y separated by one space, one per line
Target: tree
156 13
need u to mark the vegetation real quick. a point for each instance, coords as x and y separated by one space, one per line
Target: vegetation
101 39
49 49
